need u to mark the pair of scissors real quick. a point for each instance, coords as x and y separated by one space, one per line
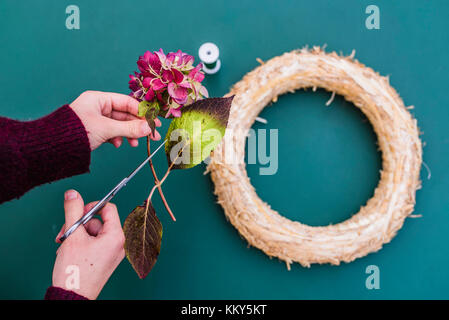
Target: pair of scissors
95 209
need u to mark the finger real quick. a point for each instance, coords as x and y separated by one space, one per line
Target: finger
116 141
157 122
73 207
93 227
156 136
129 129
133 142
112 101
89 206
123 116
111 219
61 232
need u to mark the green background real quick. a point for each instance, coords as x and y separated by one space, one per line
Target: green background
328 159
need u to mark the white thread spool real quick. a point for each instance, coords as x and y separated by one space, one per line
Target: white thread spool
209 56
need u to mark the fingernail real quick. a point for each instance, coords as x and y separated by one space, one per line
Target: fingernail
70 195
145 128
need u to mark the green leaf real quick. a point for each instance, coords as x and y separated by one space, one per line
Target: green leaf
150 121
151 115
195 134
143 108
143 234
149 110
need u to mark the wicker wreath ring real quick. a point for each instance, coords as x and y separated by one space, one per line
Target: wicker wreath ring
398 136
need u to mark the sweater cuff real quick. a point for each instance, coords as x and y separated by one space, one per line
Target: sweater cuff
56 293
55 147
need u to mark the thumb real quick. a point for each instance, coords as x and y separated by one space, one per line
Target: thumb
73 207
129 129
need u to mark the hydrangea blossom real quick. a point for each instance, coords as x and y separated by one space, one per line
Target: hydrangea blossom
170 80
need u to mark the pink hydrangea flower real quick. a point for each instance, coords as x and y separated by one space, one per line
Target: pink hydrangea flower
170 79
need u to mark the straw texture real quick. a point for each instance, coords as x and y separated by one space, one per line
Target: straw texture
394 198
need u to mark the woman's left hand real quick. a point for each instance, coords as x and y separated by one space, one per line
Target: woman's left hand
108 117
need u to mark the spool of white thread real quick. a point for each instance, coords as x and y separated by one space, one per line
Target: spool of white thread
209 56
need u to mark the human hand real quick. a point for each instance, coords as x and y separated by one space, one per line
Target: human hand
108 117
86 259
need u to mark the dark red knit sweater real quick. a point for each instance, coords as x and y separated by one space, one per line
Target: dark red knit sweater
40 151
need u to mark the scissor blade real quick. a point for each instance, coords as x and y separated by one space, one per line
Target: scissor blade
145 161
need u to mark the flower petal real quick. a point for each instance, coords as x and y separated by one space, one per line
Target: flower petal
157 84
171 58
154 63
167 75
175 112
199 76
146 56
133 83
185 84
161 55
187 61
150 95
138 94
195 74
142 65
203 91
178 57
178 76
178 94
147 82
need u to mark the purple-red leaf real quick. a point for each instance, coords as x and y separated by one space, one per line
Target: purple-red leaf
143 234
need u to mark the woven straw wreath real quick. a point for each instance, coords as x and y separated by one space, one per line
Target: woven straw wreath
394 198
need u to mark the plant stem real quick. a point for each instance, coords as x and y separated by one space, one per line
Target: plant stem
157 183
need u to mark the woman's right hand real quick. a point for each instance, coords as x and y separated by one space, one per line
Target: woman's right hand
89 256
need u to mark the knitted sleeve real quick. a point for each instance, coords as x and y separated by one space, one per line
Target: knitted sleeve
40 151
56 293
